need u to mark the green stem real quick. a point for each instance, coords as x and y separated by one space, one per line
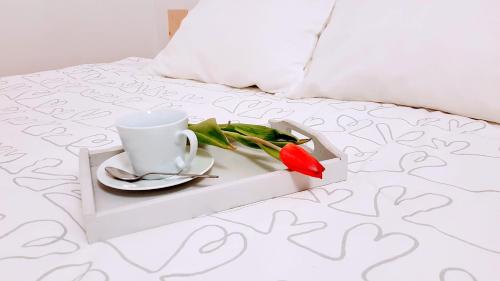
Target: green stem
263 142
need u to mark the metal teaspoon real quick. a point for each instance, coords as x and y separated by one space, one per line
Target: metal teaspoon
126 176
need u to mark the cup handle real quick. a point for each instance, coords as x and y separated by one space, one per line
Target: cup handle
182 162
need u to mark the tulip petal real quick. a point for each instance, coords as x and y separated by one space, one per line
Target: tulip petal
298 159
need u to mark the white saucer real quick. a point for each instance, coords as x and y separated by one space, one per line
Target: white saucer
200 165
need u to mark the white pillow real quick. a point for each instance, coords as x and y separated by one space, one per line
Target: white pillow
440 54
242 43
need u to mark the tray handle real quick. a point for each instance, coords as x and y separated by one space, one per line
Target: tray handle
323 149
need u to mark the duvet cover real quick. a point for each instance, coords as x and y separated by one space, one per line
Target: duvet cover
422 199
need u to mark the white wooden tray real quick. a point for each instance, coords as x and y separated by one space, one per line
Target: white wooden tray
246 176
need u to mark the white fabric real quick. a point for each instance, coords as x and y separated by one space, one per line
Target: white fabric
441 54
242 43
422 199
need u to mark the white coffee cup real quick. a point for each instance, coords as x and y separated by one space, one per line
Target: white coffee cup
155 141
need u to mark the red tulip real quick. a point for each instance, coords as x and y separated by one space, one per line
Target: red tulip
298 159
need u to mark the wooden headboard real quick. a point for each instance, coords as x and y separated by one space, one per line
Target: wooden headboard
175 18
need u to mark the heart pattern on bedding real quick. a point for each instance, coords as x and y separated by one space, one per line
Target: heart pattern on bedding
422 199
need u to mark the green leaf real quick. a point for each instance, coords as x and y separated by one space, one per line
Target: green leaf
241 139
272 152
302 141
263 132
279 138
208 132
283 143
244 141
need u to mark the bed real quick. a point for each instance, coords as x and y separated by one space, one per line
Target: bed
415 205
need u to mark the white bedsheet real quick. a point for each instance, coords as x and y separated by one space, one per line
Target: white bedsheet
422 201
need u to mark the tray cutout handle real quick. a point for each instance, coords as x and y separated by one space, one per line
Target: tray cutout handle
323 150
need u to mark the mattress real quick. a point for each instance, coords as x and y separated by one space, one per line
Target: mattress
422 199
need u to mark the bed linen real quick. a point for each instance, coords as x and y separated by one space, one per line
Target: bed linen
442 56
422 199
263 43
